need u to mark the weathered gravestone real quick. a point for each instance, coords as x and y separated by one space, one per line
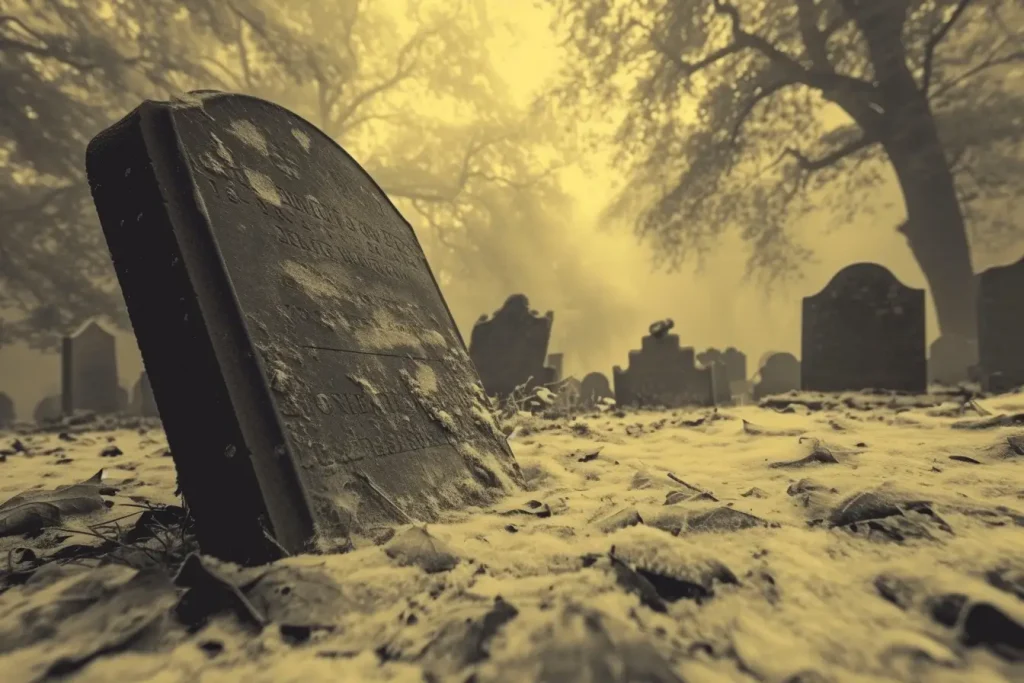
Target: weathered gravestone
143 401
89 371
780 373
7 414
662 373
567 393
864 330
950 359
1001 326
555 361
593 388
510 349
303 358
713 360
47 410
736 364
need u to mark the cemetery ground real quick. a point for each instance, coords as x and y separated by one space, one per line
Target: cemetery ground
852 538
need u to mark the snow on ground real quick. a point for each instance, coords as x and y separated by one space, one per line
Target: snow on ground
649 546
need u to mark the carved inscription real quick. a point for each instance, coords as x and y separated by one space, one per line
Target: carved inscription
356 404
384 247
359 434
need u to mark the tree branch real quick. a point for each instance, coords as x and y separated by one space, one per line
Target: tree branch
991 61
402 72
748 109
825 80
832 158
933 42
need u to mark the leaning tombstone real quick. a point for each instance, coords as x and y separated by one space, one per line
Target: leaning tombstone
297 343
864 330
1001 327
89 370
7 414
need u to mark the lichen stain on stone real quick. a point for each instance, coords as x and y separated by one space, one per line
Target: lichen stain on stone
370 390
488 477
280 378
222 151
248 133
435 338
263 186
315 286
387 334
210 162
426 378
302 139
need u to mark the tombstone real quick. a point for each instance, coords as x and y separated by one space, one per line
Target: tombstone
302 355
48 410
662 373
864 330
714 360
950 359
567 393
555 363
143 401
7 413
593 388
89 370
779 374
736 364
1001 327
509 349
741 391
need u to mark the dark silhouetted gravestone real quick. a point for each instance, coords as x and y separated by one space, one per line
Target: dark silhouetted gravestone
950 359
143 401
1001 326
864 330
555 362
736 364
779 374
310 377
593 388
662 374
510 349
47 410
7 414
89 371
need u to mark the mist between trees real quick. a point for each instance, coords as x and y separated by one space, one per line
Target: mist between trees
732 119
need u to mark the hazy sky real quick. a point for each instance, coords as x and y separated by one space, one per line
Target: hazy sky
711 308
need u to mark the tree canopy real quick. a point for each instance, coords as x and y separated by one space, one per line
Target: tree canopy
748 115
411 93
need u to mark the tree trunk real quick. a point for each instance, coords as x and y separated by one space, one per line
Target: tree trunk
934 229
936 235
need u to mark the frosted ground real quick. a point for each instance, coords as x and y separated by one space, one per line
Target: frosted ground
856 538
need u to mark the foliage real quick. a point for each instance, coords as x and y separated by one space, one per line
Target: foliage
410 93
751 115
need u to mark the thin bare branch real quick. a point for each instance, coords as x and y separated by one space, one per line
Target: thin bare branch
935 39
810 165
748 109
403 71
